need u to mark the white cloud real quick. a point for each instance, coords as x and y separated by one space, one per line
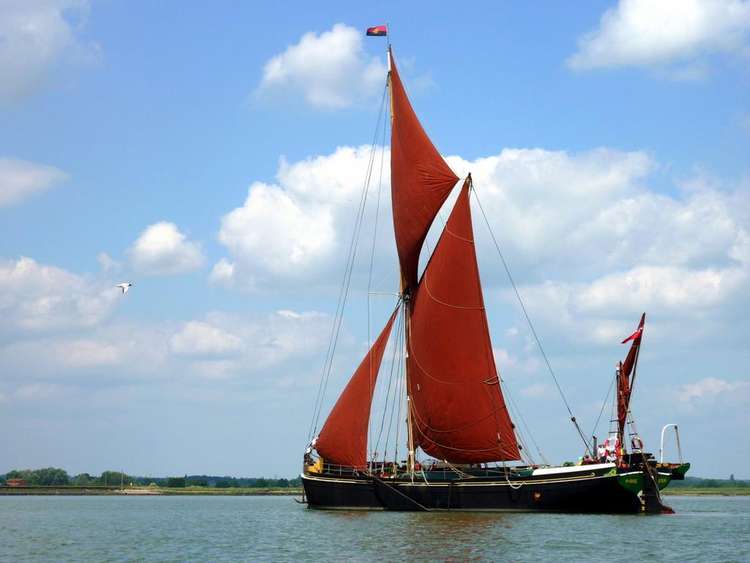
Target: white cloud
591 246
740 249
684 258
572 219
162 249
516 366
224 346
712 387
35 36
86 353
647 33
214 369
685 302
222 272
19 179
504 358
537 200
228 344
203 339
36 297
276 230
294 230
109 352
217 346
329 70
107 263
659 287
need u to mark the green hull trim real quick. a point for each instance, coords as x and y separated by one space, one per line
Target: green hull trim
682 469
663 480
632 481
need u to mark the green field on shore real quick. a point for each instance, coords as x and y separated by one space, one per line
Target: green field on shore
699 491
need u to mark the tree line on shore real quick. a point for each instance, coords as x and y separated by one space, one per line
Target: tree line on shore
699 482
54 476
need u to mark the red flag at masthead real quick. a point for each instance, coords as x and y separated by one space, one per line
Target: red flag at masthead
377 31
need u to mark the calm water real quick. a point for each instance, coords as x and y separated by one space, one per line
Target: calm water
262 528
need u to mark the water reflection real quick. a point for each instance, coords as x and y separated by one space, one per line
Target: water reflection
418 535
456 535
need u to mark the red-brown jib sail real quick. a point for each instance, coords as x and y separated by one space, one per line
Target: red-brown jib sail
343 439
420 180
458 411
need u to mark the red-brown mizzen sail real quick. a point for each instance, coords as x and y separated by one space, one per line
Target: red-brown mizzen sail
343 439
624 381
458 411
420 180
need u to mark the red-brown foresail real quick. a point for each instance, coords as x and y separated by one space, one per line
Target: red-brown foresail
343 439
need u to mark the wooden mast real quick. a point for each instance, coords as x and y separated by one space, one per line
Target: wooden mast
410 457
409 423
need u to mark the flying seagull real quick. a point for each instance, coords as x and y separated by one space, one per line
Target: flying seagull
124 287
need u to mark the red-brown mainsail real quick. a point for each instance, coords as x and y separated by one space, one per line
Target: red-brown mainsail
420 180
458 411
343 439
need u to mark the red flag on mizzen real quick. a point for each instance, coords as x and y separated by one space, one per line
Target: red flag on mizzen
377 31
638 331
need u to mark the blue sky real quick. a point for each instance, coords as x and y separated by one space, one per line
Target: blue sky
214 155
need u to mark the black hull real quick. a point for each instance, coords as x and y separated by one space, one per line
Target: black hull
581 491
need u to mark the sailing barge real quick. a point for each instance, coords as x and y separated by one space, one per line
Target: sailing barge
455 409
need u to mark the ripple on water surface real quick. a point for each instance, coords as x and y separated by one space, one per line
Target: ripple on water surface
252 528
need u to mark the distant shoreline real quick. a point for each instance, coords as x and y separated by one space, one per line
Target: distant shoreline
707 491
148 491
291 491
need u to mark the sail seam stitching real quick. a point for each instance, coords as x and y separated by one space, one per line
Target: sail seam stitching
427 288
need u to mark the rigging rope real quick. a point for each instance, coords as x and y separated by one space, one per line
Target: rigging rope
388 390
528 320
604 404
372 250
507 479
652 472
396 403
525 452
346 282
401 382
506 391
